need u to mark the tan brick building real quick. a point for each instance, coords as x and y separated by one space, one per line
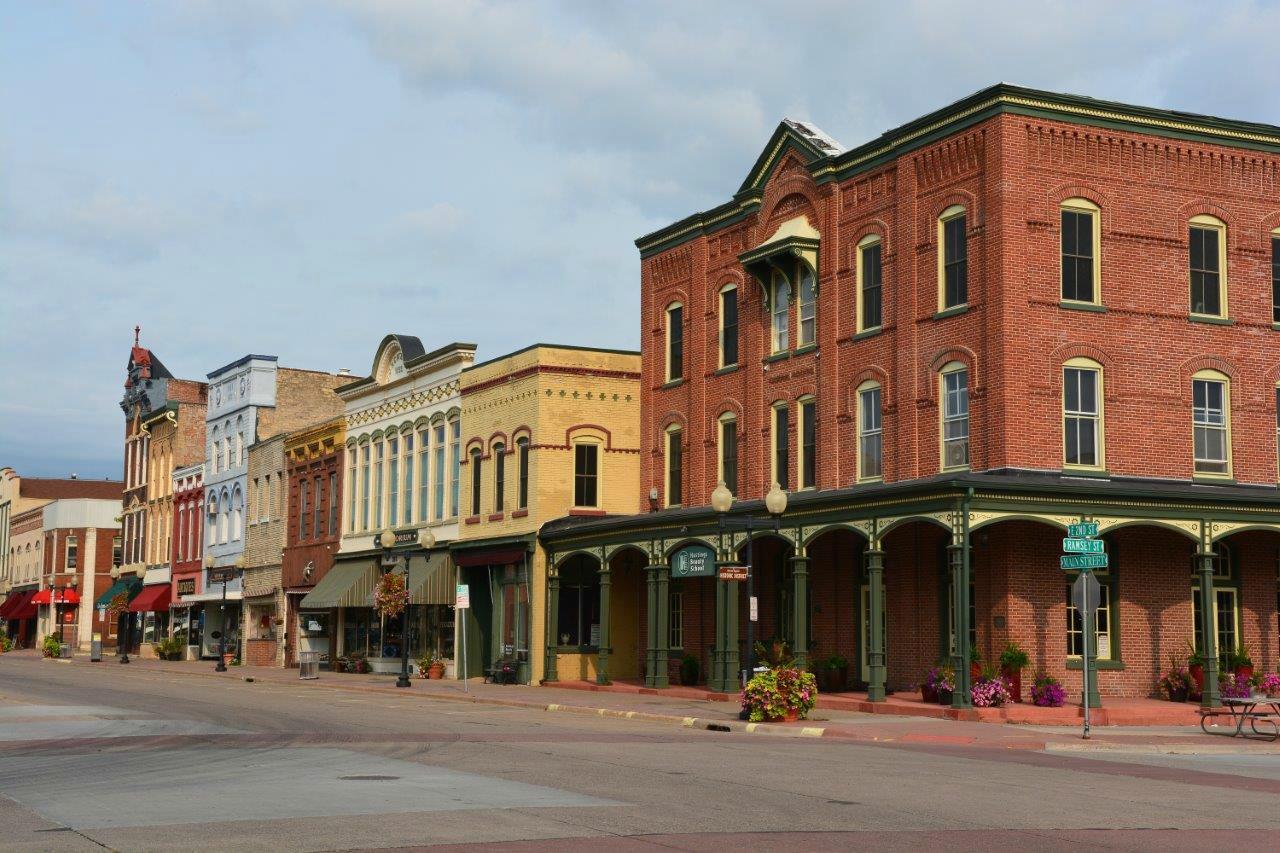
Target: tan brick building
264 546
548 431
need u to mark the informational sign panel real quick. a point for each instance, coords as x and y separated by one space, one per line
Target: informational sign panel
733 573
187 586
223 574
463 600
693 561
755 609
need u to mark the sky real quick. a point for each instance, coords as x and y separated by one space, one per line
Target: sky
300 178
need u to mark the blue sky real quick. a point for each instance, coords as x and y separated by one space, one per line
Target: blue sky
300 178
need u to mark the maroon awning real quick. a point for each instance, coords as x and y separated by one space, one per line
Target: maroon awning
23 608
493 557
14 601
152 599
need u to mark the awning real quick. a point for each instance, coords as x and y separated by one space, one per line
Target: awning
795 238
344 585
152 599
56 596
130 585
206 597
430 580
24 609
15 602
491 557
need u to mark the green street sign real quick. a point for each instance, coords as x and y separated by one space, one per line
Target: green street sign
1084 546
693 561
1073 562
1083 530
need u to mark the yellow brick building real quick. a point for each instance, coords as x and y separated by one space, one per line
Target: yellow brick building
547 431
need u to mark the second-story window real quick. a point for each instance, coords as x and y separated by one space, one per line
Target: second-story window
729 326
1207 237
1275 277
73 553
424 470
1082 414
351 490
870 433
304 507
586 475
808 462
729 452
1080 249
379 481
953 259
675 467
393 481
1210 418
955 416
407 495
117 551
870 275
522 454
333 503
780 309
442 475
807 307
675 342
317 527
476 481
499 477
781 446
364 487
455 463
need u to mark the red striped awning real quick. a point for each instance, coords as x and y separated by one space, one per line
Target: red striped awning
14 601
61 595
152 598
24 608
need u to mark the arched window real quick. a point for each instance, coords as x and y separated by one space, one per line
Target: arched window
953 381
522 452
1207 261
237 514
727 458
780 302
1211 424
870 432
807 306
476 481
675 342
379 461
1082 414
953 259
212 536
393 480
455 462
870 304
674 491
728 325
1081 251
215 452
499 476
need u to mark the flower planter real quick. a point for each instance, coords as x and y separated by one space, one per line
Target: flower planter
1014 678
435 671
1178 694
1197 675
789 717
1246 671
928 693
944 697
228 658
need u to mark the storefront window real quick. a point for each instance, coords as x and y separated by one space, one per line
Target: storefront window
579 623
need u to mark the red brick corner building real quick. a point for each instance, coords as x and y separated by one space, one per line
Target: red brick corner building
1022 311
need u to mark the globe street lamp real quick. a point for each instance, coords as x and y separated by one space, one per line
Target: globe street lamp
775 502
123 646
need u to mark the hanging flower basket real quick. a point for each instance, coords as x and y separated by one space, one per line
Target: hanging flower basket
392 595
118 604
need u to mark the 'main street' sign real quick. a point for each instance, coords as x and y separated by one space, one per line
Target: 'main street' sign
1083 561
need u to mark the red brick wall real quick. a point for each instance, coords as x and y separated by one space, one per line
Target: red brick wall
191 567
318 550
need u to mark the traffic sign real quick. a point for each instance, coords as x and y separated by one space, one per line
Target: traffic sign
1083 561
464 597
1084 546
1085 593
1083 530
733 573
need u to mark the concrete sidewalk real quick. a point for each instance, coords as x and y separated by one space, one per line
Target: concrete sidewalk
690 708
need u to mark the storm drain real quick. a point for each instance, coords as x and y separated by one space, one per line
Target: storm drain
369 778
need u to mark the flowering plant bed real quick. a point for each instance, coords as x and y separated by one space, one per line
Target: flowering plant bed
392 595
937 680
1048 692
119 604
1239 686
780 694
990 693
1270 684
1175 685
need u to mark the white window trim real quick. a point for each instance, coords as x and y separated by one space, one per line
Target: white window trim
1101 418
869 385
859 321
943 218
775 278
1083 205
1213 376
947 370
1212 222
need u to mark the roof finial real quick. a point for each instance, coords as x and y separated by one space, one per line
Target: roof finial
137 330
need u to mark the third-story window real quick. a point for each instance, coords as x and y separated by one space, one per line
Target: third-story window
1082 414
1080 233
729 326
1275 278
317 529
304 488
499 477
953 259
1210 407
807 306
1208 239
476 481
333 503
675 468
781 446
955 416
379 481
780 308
522 496
586 475
870 275
870 433
393 482
675 342
808 462
729 452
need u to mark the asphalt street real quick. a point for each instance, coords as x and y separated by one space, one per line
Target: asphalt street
95 757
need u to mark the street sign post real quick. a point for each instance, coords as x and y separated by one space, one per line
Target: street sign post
462 601
1084 553
1086 593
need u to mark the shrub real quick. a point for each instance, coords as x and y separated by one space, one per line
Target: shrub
1013 657
1048 692
169 648
51 647
774 693
6 644
690 670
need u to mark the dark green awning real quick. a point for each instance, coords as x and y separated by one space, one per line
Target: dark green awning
131 585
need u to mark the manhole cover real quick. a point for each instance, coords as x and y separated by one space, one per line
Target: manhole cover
370 778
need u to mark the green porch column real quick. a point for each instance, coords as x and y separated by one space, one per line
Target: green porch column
550 673
650 623
725 655
958 559
662 626
1209 697
602 656
800 610
875 648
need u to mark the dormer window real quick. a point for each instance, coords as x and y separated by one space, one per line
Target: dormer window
786 268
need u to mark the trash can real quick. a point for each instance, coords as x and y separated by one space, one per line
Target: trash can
95 649
64 650
308 664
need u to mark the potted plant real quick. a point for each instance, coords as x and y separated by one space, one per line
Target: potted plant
783 694
1237 686
945 684
169 648
1175 685
431 666
358 663
5 643
835 670
1013 660
690 670
1270 684
975 664
1239 662
1048 692
989 692
1195 666
50 647
929 687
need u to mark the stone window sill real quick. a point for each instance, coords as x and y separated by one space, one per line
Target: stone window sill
777 356
867 333
520 513
496 516
472 519
953 311
727 369
674 383
1102 665
1210 320
1082 306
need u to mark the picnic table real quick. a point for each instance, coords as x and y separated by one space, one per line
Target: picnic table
1242 709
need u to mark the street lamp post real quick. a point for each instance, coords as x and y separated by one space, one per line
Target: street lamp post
222 632
776 504
121 631
60 598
